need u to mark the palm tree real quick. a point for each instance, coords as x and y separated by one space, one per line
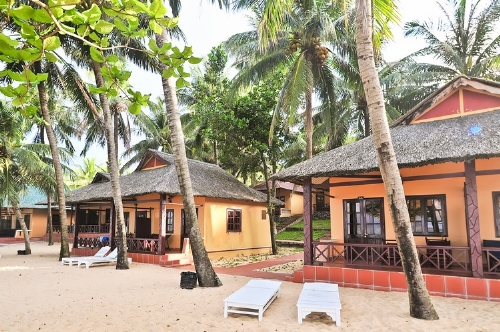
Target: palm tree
465 41
301 48
420 301
152 126
21 165
84 174
204 269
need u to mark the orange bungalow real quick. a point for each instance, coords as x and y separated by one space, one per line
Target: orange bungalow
448 152
34 210
232 217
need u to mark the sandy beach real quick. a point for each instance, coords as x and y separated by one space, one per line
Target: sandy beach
37 293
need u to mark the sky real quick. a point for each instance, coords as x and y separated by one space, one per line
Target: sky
205 26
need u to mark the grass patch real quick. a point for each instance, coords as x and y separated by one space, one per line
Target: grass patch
316 223
299 235
320 228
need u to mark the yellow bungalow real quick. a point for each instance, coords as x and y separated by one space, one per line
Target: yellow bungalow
233 217
448 152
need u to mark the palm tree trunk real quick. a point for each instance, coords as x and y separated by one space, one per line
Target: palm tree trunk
271 192
61 195
20 218
122 262
49 220
420 301
204 269
309 125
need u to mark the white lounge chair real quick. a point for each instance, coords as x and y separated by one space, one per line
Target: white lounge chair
108 259
73 260
319 297
253 298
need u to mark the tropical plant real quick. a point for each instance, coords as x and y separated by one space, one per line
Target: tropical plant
300 49
21 164
465 40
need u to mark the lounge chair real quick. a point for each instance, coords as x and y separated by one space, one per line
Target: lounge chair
73 260
253 298
108 259
319 297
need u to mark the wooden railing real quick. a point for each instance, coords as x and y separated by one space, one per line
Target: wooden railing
380 255
142 245
149 246
492 256
103 228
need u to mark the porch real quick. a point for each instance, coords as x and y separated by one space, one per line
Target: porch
434 259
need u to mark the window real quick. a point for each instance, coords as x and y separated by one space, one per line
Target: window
233 220
27 218
496 209
170 221
363 220
427 215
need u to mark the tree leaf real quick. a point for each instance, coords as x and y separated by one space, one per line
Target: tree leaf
22 12
52 43
51 57
134 108
104 27
194 61
155 27
96 55
158 9
100 90
40 15
93 14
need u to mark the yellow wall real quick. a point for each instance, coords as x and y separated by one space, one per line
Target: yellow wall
293 200
253 238
453 188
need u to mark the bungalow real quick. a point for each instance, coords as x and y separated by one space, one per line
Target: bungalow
448 152
35 215
291 195
232 217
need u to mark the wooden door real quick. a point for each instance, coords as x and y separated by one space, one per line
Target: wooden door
364 221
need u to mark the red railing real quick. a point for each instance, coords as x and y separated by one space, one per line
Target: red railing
380 255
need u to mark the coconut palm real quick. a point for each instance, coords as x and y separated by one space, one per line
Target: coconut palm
301 47
21 164
464 41
420 301
152 126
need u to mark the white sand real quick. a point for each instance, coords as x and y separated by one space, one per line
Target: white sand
37 293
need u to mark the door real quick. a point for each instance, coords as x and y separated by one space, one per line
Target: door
364 221
184 228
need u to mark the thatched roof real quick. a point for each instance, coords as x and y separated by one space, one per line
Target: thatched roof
434 142
208 180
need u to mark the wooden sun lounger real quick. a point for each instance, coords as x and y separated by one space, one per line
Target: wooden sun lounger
319 297
253 298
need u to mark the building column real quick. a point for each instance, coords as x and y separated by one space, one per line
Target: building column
112 226
76 226
163 224
472 218
308 246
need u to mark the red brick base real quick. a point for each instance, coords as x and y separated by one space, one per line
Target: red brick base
447 286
